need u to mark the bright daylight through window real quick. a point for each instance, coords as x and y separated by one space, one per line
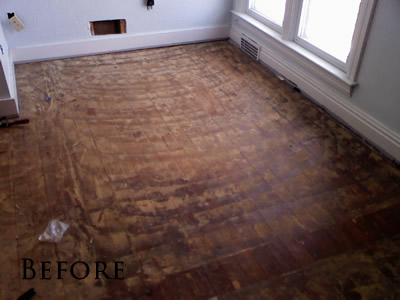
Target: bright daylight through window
324 27
273 10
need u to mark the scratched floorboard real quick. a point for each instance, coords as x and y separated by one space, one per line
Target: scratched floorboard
201 171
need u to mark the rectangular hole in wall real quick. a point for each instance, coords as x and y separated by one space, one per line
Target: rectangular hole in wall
108 27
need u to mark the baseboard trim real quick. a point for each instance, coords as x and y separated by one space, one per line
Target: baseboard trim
362 123
116 43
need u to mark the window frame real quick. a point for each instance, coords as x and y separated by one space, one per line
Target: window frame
290 27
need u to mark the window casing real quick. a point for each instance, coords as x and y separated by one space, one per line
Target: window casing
291 28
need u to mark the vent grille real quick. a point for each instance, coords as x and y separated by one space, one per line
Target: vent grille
250 47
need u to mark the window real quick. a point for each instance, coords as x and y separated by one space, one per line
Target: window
328 28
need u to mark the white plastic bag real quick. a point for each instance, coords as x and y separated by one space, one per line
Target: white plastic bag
54 231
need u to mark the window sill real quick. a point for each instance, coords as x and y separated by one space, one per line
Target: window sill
272 43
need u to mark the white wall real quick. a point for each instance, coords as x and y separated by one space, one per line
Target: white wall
378 93
50 22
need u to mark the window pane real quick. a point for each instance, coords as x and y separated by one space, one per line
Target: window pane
329 25
273 10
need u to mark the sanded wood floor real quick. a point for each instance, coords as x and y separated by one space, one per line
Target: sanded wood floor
202 172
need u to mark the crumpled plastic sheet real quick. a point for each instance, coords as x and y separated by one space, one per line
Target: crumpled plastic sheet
54 231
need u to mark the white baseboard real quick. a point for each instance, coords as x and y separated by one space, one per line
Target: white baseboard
338 104
116 43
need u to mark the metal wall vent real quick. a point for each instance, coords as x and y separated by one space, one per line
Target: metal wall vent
250 47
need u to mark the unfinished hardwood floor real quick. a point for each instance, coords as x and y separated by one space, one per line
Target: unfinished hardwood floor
202 172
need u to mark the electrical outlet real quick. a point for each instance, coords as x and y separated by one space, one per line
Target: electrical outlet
17 23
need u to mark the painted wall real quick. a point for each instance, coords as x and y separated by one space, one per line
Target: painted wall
378 93
53 21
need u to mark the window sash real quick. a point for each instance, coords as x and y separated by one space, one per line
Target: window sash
321 53
258 16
